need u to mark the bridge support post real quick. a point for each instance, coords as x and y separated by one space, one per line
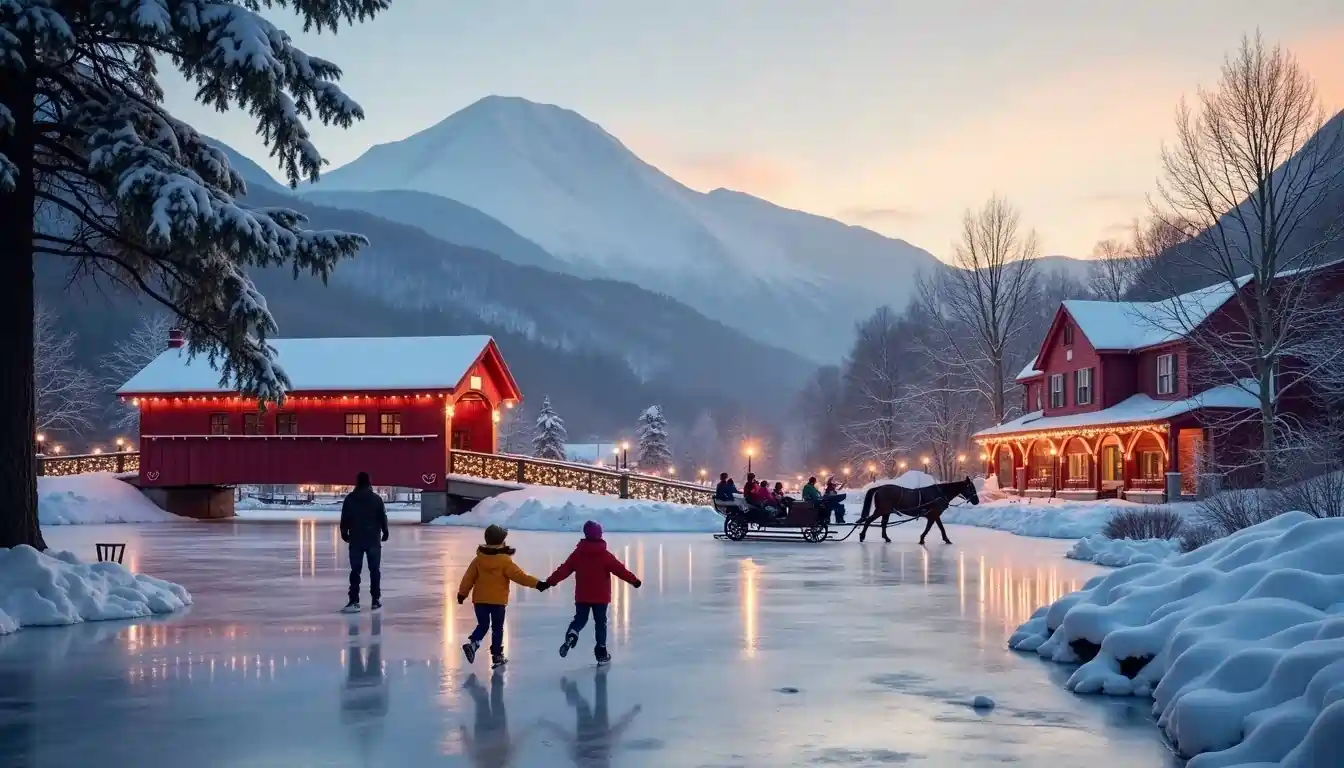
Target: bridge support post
433 504
200 502
625 486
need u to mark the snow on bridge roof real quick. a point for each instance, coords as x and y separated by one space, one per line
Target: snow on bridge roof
334 364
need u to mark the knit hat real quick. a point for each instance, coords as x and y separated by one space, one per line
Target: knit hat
592 530
494 535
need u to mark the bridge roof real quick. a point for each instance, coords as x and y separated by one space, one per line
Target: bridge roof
337 365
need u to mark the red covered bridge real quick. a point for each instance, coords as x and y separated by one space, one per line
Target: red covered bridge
393 407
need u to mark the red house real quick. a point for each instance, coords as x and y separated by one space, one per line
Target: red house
1110 409
393 407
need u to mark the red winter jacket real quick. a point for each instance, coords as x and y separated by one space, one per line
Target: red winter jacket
592 566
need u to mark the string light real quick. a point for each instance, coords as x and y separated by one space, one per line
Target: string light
576 478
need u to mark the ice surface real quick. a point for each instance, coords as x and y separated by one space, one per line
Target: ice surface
40 590
1240 643
884 645
538 508
1121 552
392 363
97 497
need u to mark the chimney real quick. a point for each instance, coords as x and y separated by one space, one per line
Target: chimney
176 339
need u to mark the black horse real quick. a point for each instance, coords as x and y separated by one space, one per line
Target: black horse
928 502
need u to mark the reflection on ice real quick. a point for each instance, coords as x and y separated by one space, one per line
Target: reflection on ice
748 590
594 738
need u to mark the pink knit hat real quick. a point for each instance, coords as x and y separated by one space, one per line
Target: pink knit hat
592 530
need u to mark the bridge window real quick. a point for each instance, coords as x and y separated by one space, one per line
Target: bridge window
250 424
219 423
356 424
389 423
286 424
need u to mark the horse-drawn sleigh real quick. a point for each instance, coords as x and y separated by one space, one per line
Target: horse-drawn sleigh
805 521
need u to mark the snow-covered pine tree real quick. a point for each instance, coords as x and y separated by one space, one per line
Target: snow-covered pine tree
94 169
549 440
654 455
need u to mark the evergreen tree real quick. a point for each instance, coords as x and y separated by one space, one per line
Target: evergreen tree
550 437
94 169
654 455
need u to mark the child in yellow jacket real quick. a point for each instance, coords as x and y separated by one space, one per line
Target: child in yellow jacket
487 581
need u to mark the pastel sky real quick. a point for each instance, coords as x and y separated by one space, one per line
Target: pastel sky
891 114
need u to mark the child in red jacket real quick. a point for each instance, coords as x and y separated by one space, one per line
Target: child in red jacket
592 566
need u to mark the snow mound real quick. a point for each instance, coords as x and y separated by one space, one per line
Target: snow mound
553 509
43 590
1240 643
97 497
1118 553
913 478
1042 518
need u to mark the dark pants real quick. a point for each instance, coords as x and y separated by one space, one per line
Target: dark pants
374 554
835 504
599 611
489 618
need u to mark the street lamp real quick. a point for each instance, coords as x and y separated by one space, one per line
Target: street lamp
872 472
616 456
703 473
625 455
41 438
57 449
749 451
845 471
671 471
901 465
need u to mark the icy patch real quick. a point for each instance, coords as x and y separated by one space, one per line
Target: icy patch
982 702
552 509
94 498
1118 553
1240 643
43 590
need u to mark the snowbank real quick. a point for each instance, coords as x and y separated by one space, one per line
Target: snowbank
911 479
554 509
1045 518
1240 643
40 590
1121 552
97 497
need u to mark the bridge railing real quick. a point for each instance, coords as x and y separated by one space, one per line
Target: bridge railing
82 463
577 477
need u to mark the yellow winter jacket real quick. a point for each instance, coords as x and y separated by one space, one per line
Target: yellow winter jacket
487 578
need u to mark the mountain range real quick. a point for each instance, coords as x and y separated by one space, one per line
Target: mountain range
786 278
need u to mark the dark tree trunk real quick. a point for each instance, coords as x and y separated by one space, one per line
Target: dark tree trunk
18 478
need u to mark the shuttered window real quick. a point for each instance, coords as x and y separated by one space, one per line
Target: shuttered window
1057 390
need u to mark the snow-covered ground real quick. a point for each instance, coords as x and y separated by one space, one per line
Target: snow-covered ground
1045 518
538 508
97 497
39 589
1240 643
1118 553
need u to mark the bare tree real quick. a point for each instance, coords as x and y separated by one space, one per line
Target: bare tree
1253 169
1112 270
67 395
877 374
146 341
820 407
942 416
983 304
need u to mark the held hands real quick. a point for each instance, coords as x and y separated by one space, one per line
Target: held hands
542 586
461 599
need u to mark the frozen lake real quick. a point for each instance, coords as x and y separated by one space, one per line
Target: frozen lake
742 654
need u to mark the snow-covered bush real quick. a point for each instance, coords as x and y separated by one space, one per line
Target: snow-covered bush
1196 535
1153 522
1230 511
1319 496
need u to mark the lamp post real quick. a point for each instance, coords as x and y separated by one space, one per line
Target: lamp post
41 439
671 471
616 456
703 473
625 455
872 472
749 451
845 471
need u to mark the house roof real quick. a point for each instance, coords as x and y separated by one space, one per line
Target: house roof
1133 410
1030 371
1133 325
335 364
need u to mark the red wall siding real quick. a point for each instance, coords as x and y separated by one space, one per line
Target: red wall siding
1055 359
173 416
1117 378
1146 371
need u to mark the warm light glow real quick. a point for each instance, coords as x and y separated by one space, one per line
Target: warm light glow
449 410
671 471
615 451
845 471
625 446
41 438
1054 452
924 459
703 473
508 404
97 451
800 478
121 441
961 457
984 457
901 465
748 450
135 401
475 382
872 467
57 448
494 415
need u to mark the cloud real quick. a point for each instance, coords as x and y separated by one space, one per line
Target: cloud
892 215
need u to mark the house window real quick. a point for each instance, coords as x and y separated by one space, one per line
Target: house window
219 423
1150 465
1057 390
389 423
250 424
1082 386
1068 334
356 424
286 424
1078 467
1166 374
